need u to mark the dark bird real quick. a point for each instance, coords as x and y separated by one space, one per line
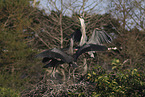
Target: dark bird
87 48
54 57
98 37
51 62
55 54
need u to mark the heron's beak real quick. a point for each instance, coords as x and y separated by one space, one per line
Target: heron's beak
79 17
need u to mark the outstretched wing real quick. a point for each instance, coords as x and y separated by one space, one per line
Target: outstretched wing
89 47
56 54
46 53
99 37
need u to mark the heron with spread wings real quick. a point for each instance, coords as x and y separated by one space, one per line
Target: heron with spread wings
54 57
99 37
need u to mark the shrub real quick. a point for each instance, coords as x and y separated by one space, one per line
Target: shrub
7 92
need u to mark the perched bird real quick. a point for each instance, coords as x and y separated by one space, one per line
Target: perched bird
95 42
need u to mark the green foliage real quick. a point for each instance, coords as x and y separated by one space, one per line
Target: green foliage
13 48
19 21
14 19
118 82
16 55
7 92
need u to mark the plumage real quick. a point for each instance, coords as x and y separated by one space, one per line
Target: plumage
87 48
76 36
54 57
83 37
56 54
99 37
46 59
53 63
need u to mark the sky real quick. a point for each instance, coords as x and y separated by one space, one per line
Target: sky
101 8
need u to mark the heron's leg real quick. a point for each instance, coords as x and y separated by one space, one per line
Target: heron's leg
85 67
53 72
69 73
74 67
73 73
63 73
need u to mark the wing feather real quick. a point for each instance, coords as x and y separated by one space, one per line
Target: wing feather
55 53
99 37
89 47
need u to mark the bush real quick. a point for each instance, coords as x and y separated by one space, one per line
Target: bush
7 92
119 82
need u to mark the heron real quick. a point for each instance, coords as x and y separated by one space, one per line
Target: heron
54 57
83 37
93 44
98 37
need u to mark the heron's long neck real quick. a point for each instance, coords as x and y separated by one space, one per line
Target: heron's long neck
83 38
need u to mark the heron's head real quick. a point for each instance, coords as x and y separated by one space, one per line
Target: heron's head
80 17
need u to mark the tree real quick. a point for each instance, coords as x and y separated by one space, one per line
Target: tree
15 39
14 20
130 13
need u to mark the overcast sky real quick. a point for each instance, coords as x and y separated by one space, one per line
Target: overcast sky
100 9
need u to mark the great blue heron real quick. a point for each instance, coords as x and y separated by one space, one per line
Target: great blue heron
54 57
93 44
99 36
